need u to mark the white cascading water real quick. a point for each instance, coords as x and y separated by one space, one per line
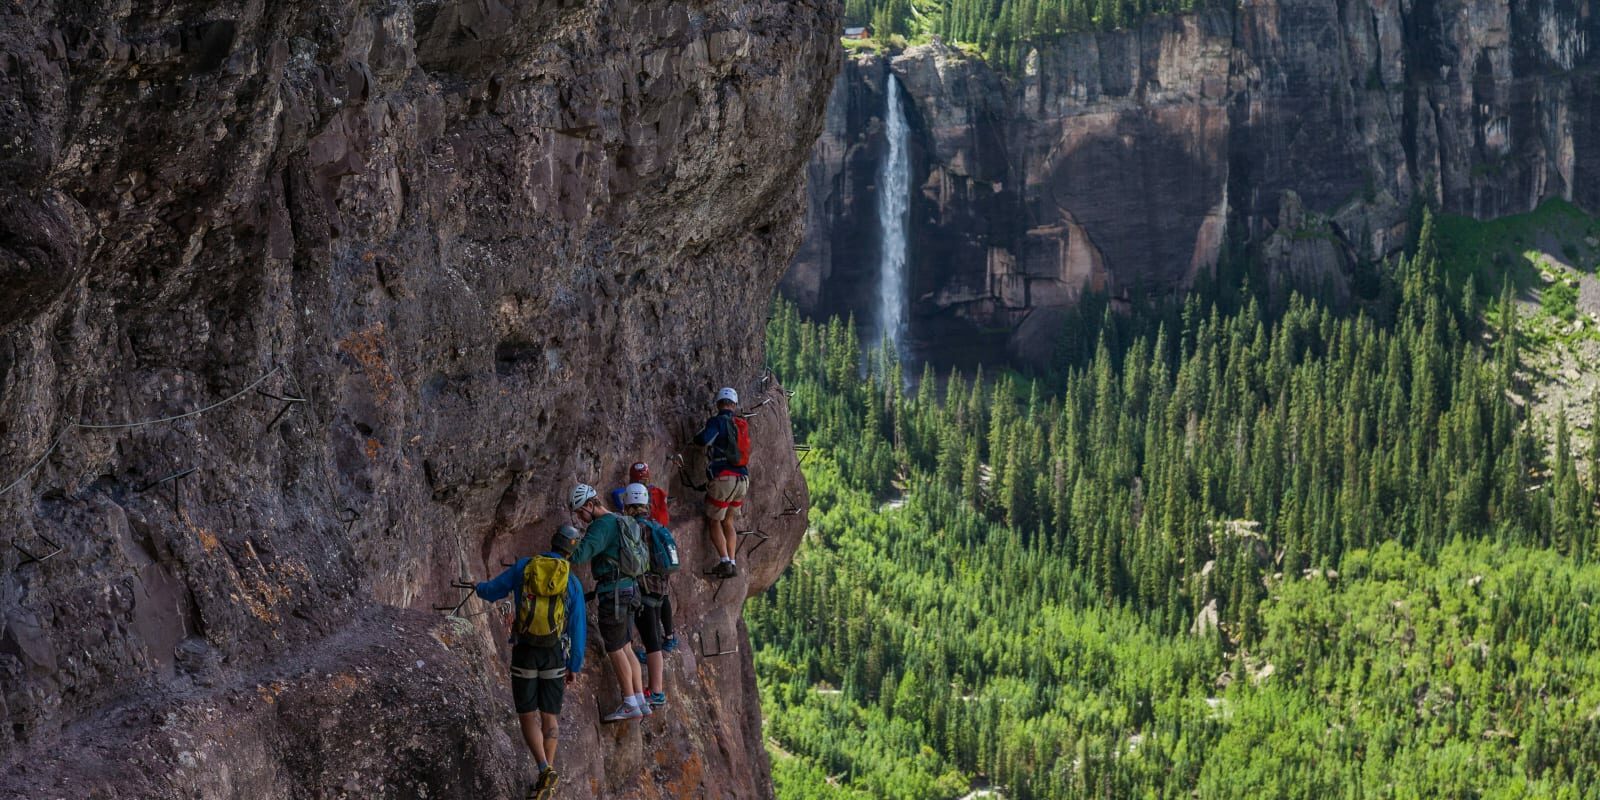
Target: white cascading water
894 198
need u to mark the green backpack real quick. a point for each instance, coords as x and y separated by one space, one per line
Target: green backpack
542 615
633 555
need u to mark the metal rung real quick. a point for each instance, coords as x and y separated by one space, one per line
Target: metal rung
348 520
790 507
756 409
719 652
34 558
289 401
176 479
758 533
455 610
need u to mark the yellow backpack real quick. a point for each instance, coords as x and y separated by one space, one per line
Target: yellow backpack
542 615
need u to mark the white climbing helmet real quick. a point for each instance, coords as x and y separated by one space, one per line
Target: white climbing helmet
727 393
581 494
635 495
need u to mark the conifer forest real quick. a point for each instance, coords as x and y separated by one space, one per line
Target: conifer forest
1230 546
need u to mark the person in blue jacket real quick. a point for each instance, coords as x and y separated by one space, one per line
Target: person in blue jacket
539 674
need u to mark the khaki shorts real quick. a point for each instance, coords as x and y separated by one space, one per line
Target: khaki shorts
725 492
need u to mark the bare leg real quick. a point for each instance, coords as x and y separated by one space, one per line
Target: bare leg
626 666
638 673
730 537
715 527
552 727
533 736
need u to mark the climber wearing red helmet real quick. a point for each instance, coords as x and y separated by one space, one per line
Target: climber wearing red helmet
640 473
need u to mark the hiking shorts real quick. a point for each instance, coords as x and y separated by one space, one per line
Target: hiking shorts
617 610
654 621
725 492
538 694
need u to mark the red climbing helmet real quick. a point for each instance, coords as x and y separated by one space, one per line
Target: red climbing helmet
639 473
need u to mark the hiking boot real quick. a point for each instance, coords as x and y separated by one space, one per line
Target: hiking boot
733 570
658 699
547 783
623 712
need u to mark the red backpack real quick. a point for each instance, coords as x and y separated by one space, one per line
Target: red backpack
732 446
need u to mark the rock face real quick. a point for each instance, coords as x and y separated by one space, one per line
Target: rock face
473 251
1118 161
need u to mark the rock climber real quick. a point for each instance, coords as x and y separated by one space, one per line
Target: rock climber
640 473
547 642
727 439
616 546
654 619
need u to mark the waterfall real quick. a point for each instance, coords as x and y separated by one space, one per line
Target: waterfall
894 199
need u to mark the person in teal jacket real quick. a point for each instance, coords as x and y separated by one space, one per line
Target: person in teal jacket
539 674
616 595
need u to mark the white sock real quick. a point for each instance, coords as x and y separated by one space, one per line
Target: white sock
631 700
640 700
727 560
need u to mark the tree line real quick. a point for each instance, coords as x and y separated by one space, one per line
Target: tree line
1001 27
1292 553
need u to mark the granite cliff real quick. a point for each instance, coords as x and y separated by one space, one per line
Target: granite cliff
1118 161
423 264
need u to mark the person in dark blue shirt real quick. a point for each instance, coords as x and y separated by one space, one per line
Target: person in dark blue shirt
729 480
540 672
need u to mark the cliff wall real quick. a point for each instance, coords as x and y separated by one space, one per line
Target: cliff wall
473 251
1117 161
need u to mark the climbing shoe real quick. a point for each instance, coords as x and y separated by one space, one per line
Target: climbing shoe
624 712
670 645
644 658
658 699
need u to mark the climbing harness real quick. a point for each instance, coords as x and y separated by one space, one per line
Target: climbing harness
538 674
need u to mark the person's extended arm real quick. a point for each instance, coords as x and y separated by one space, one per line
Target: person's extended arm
503 584
600 535
708 434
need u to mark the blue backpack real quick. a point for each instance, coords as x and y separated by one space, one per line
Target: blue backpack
663 549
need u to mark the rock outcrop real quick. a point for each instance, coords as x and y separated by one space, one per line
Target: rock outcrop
1119 161
432 262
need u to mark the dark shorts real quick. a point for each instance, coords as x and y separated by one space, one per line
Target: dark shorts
537 694
654 621
616 617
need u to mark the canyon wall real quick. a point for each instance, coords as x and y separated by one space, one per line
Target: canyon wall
422 266
1118 162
